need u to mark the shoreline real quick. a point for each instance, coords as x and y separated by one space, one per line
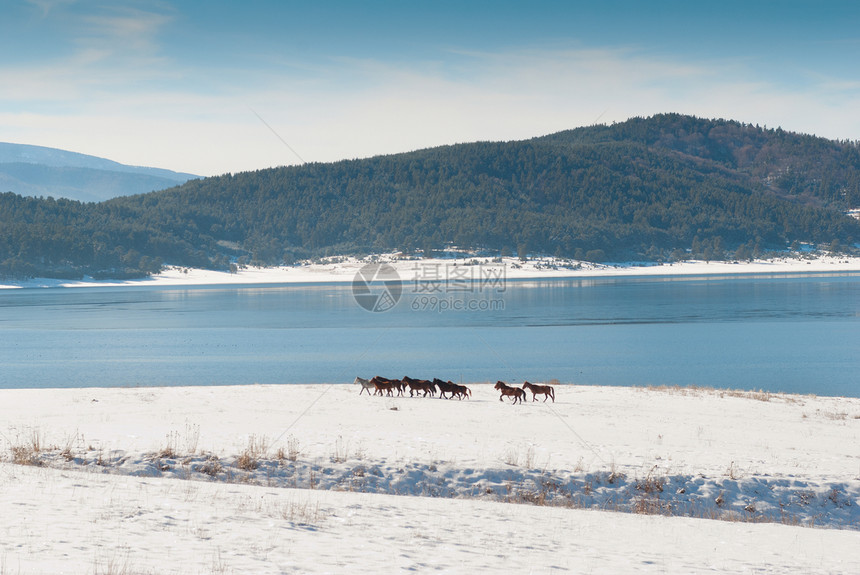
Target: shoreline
691 389
344 270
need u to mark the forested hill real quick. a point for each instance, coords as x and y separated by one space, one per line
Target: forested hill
640 189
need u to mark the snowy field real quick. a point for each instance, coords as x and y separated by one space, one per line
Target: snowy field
325 479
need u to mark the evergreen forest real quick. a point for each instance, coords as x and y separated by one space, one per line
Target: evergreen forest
667 186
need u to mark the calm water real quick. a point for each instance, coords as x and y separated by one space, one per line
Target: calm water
796 334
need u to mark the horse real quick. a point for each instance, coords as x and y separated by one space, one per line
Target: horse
444 387
505 389
419 385
366 384
547 390
384 385
461 390
390 384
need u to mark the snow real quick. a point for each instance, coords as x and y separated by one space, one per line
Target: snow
323 479
344 269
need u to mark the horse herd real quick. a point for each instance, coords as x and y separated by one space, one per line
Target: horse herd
384 386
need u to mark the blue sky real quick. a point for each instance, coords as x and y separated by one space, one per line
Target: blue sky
213 86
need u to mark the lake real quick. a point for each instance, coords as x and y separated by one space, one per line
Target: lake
789 333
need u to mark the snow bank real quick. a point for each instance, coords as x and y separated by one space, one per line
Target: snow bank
344 269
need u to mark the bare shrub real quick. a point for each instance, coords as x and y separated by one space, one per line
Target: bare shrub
341 450
249 459
614 475
67 454
171 447
293 451
512 457
529 457
258 445
305 513
650 506
24 455
192 437
26 451
360 452
651 484
211 467
733 472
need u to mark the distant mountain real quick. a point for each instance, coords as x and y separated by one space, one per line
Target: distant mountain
656 188
49 172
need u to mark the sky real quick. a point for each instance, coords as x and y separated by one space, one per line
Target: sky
216 86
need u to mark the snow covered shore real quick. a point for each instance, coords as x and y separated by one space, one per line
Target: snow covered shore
343 269
322 479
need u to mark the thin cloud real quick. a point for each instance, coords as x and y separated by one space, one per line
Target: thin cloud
48 6
349 108
124 30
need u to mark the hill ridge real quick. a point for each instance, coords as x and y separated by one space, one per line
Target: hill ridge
649 188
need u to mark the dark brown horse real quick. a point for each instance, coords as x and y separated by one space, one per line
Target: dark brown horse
517 393
546 390
419 385
461 391
444 387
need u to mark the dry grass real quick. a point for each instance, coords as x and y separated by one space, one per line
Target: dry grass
699 390
340 454
651 484
170 449
211 467
257 447
291 452
733 472
527 460
305 513
26 450
247 462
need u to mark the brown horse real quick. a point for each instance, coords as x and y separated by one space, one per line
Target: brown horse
546 390
391 384
383 386
444 387
505 389
419 385
461 391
